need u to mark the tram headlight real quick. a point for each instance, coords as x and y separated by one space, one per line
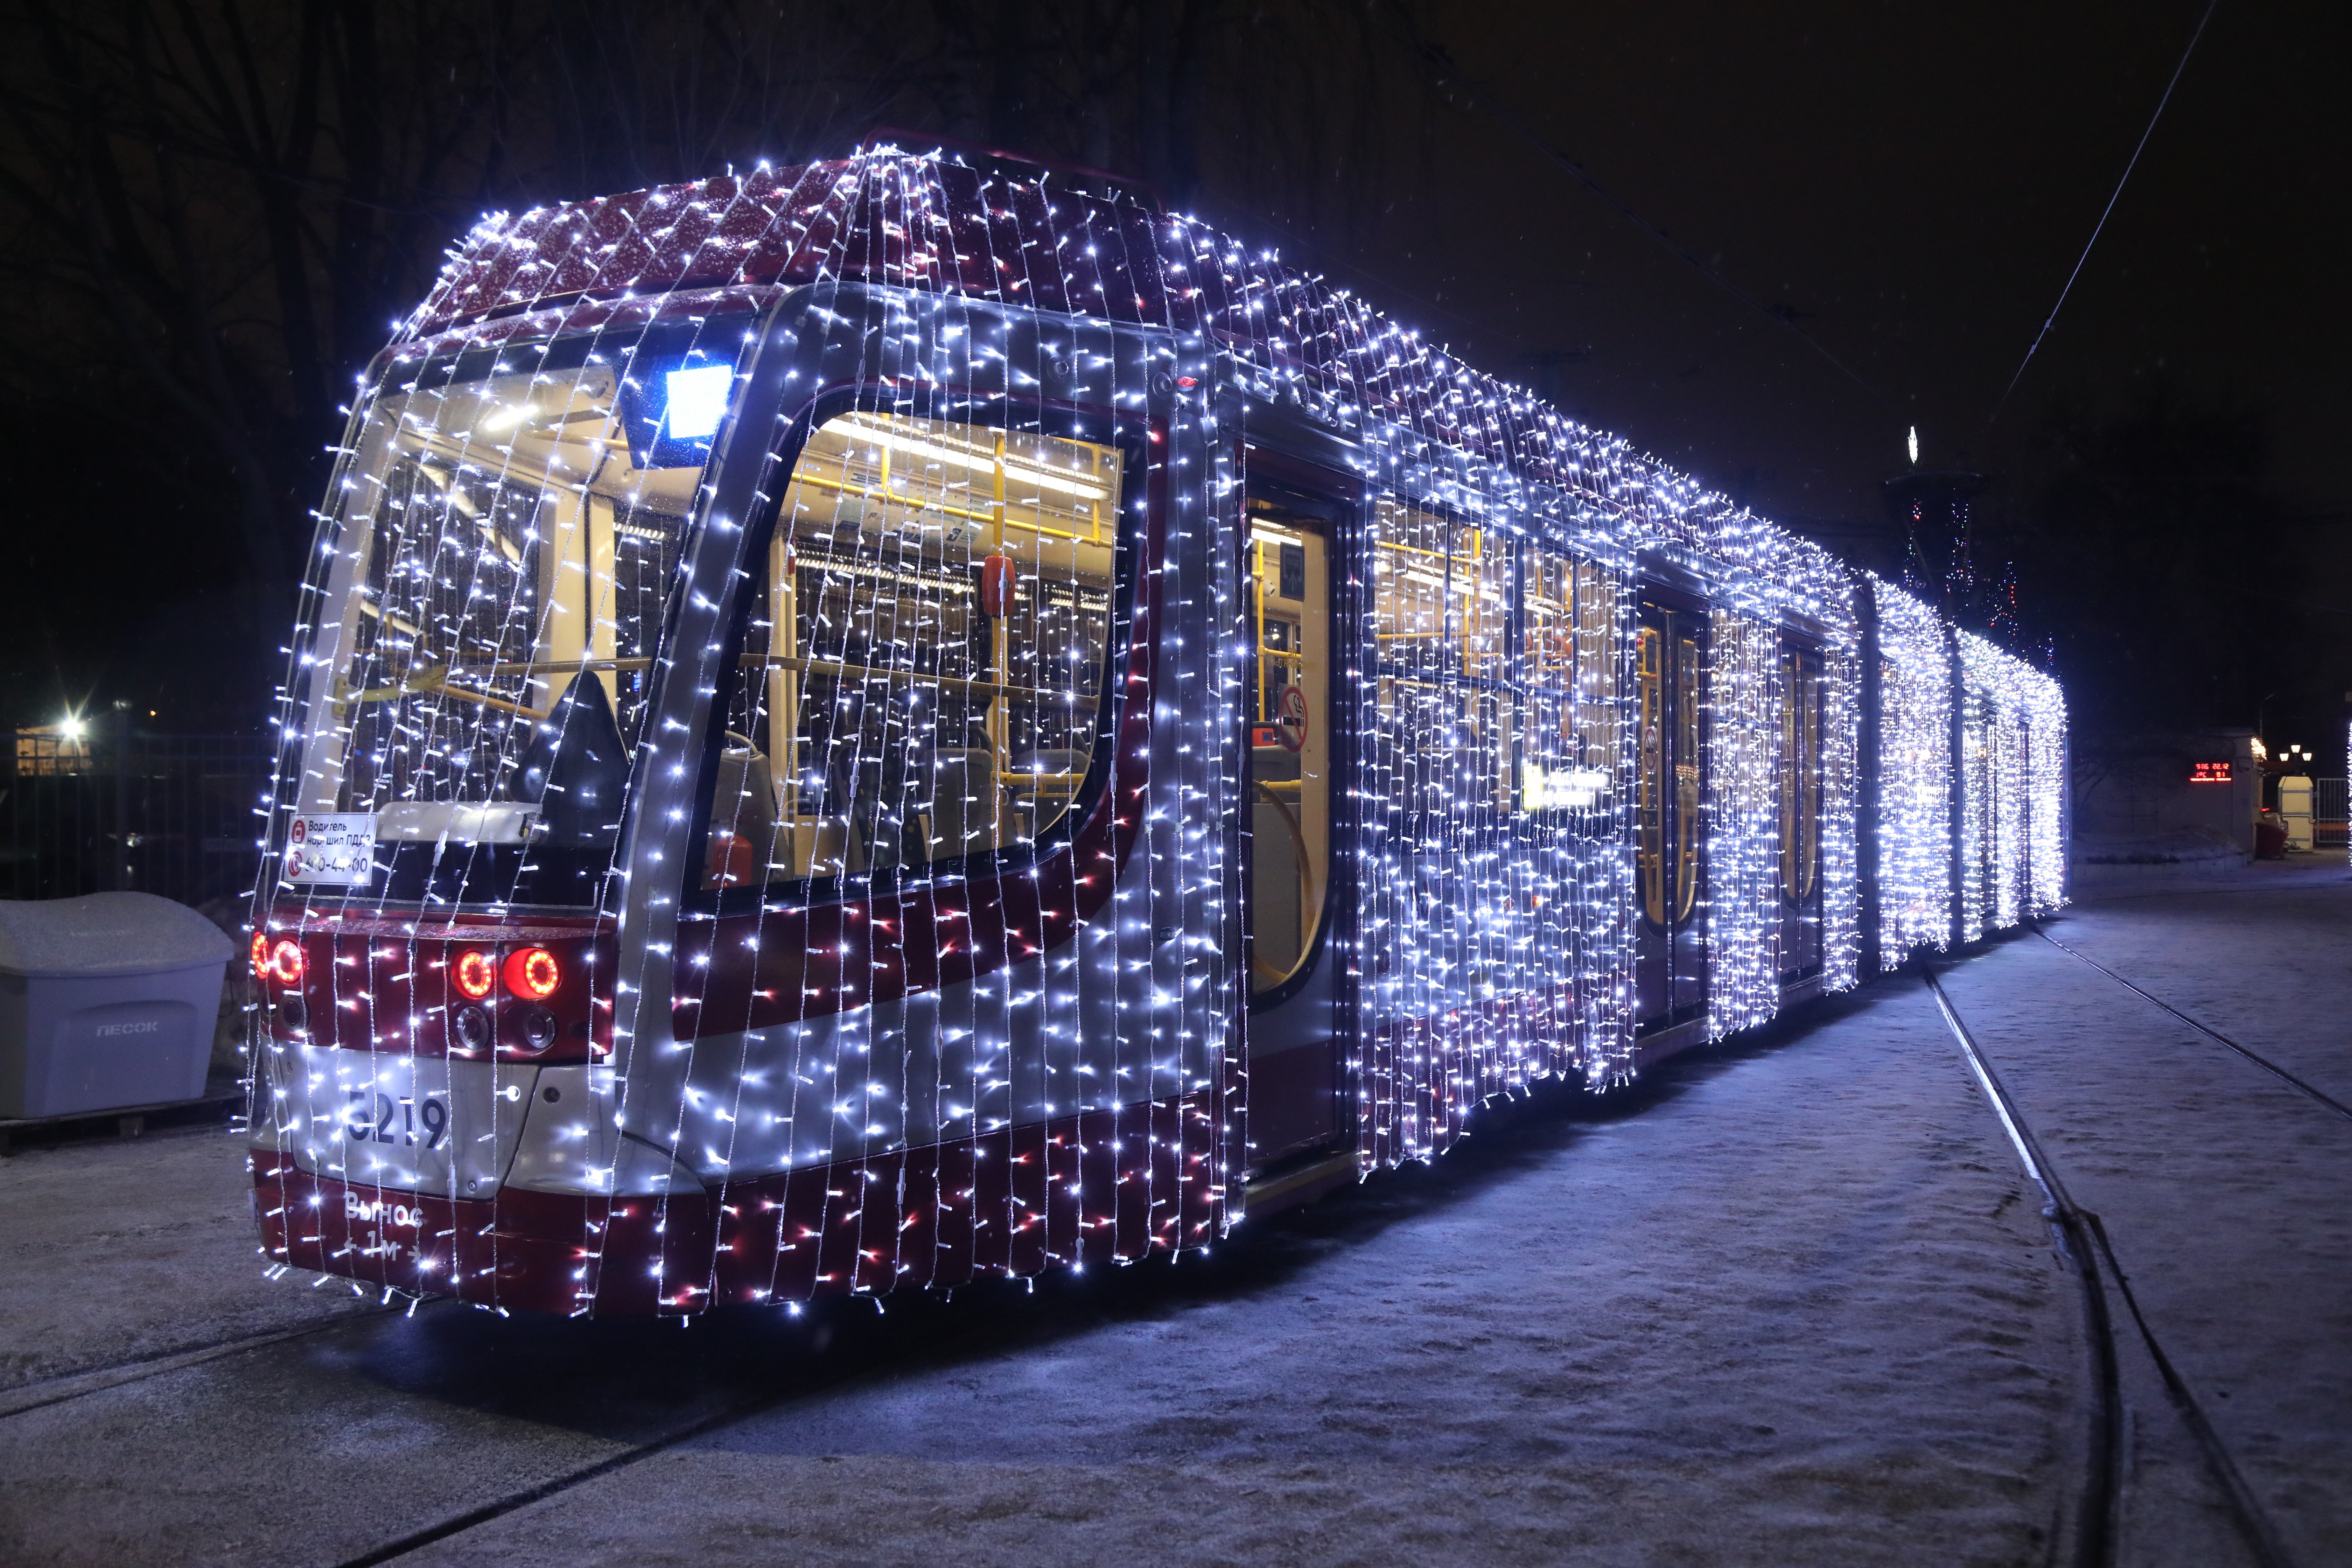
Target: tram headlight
532 973
537 1030
474 973
473 1028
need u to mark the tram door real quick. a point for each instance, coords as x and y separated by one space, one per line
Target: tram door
1286 701
1670 838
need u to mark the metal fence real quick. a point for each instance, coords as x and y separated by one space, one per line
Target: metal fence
2328 816
116 807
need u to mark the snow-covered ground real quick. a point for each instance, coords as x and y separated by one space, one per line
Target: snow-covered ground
2228 1195
1789 1302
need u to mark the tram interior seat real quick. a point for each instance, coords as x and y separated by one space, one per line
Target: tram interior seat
961 809
1054 762
1044 782
949 819
964 804
743 806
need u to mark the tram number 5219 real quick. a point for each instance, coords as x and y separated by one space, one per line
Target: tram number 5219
373 1113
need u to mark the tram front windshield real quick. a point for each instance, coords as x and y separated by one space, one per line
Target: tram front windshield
510 529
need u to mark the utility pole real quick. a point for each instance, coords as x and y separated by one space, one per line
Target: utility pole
121 882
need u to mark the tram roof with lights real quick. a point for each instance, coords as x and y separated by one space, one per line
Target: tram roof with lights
929 222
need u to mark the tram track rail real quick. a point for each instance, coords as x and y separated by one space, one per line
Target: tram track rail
2083 1243
66 1387
555 1486
2316 1095
979 1328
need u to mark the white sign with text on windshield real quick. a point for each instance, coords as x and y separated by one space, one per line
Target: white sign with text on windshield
331 849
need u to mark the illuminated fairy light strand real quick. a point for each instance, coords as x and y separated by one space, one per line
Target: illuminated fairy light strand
1915 777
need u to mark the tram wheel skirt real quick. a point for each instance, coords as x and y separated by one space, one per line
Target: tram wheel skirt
1102 1186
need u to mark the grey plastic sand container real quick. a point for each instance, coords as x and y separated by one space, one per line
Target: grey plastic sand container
105 1002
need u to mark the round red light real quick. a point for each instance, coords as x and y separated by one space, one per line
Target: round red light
286 961
532 973
474 973
260 955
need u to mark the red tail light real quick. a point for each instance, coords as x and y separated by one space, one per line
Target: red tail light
532 973
527 995
474 973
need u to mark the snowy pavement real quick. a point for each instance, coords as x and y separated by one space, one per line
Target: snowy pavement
1789 1302
2226 1193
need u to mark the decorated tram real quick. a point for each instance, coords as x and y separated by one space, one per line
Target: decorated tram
890 723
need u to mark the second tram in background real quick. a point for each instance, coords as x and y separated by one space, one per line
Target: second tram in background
883 723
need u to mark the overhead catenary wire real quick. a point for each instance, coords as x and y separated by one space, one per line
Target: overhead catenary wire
2104 212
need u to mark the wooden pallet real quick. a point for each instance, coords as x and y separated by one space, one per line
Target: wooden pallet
130 1120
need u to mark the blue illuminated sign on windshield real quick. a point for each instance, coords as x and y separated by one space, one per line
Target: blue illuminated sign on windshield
698 400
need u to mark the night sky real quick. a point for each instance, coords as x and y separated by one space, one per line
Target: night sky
1911 186
1914 183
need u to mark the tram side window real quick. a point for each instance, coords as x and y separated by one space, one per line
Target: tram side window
1566 743
924 682
1801 772
1808 869
1441 620
1650 832
1479 710
1409 627
1689 718
1482 572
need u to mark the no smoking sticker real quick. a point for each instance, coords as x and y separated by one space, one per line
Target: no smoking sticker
1290 718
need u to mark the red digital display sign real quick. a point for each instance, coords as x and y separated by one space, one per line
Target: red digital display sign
2209 773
